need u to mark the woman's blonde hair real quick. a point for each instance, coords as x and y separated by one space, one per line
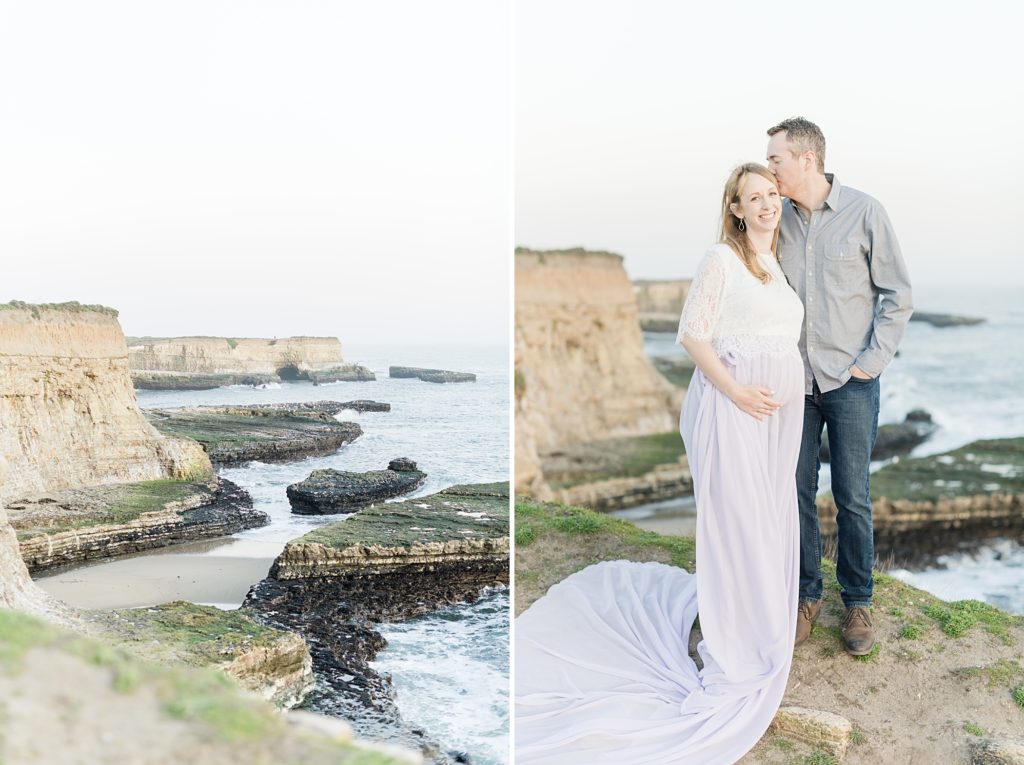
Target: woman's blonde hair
731 234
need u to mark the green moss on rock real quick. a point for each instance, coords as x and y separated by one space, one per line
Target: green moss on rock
982 467
464 512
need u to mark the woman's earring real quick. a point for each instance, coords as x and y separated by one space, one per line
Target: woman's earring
742 225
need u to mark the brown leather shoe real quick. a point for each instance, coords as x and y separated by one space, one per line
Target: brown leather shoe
858 635
806 613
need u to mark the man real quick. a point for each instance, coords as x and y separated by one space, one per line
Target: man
839 252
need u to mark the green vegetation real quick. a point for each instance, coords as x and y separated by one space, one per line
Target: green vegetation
627 457
461 512
74 306
232 343
1003 672
203 697
1018 695
974 730
819 757
520 384
982 467
957 618
113 504
548 518
857 736
911 632
189 633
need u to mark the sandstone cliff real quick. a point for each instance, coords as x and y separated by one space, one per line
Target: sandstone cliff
208 362
660 302
580 372
68 415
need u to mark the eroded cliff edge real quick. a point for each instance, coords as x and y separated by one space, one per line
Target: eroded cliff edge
67 407
195 363
581 374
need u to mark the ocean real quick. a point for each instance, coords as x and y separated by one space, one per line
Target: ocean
971 380
450 668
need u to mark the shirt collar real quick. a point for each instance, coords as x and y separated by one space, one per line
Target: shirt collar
832 200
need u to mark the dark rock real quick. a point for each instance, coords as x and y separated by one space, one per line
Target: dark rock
389 563
895 439
945 319
233 435
363 405
151 380
402 463
337 491
431 375
346 373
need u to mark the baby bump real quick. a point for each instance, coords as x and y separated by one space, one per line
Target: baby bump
781 372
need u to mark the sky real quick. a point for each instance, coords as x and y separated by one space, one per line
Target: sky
263 169
630 116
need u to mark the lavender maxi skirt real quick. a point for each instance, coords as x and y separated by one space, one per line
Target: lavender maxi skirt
602 669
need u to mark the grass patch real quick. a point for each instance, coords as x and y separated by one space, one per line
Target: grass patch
73 306
115 504
525 534
857 736
818 757
189 633
1003 672
548 518
1018 695
911 632
957 618
871 655
782 744
974 729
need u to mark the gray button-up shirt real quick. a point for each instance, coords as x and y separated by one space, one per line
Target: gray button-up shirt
844 262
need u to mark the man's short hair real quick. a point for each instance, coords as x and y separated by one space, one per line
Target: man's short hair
805 136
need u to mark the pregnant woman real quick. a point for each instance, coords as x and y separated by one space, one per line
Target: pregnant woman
602 668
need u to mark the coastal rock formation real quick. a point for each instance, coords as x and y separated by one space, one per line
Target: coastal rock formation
431 375
389 562
945 319
895 439
232 435
328 407
188 362
926 506
580 370
75 699
272 663
77 525
67 407
660 303
336 491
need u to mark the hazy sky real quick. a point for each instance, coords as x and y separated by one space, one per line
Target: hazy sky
261 168
630 116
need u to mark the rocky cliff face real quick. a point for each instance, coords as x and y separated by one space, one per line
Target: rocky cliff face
581 373
222 355
67 408
660 303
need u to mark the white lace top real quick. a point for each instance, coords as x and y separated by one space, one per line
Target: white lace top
729 306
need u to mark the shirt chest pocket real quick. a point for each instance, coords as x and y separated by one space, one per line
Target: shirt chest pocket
845 267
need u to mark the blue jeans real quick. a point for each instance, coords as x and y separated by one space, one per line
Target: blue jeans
851 415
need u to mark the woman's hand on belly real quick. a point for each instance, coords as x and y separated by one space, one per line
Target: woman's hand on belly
754 400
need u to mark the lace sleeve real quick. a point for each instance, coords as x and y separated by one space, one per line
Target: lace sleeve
704 299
